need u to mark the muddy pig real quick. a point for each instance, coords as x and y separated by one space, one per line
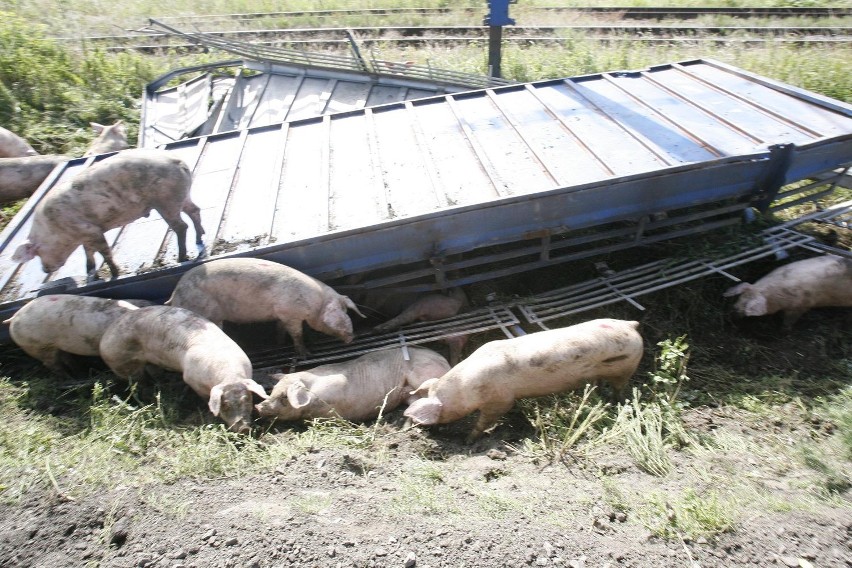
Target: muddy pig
49 328
795 288
109 194
355 390
215 367
246 290
494 376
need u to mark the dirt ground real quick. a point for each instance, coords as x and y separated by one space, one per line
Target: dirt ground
492 507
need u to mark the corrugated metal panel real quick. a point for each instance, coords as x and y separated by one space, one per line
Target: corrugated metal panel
420 180
262 94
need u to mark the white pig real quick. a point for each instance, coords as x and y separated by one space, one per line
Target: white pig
13 146
109 194
51 326
430 307
537 364
20 177
355 390
108 138
795 288
433 307
213 365
245 290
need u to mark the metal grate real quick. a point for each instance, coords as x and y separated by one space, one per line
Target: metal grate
626 285
328 350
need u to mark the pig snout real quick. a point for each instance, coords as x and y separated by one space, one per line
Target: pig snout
268 408
236 408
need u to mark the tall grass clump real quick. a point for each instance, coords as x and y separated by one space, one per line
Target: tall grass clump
652 428
647 425
689 515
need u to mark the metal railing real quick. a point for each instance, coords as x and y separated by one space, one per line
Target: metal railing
356 63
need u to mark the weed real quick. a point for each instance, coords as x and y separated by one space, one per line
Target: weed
562 422
690 515
421 490
643 430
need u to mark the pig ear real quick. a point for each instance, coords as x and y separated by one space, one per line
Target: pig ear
298 395
256 388
97 128
423 389
425 411
215 402
736 290
25 252
351 305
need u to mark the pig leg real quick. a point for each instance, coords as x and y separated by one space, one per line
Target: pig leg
100 245
179 227
294 330
488 417
618 387
129 369
194 212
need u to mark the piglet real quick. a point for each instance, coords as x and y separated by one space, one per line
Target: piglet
355 390
433 307
494 376
50 327
795 288
213 365
246 290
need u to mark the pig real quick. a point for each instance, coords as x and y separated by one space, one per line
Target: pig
175 339
245 290
795 288
537 364
109 194
13 146
355 390
430 307
108 138
20 177
48 328
433 307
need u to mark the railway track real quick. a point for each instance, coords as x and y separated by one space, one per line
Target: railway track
448 35
624 13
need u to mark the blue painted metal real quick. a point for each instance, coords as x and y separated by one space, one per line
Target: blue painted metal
498 13
463 180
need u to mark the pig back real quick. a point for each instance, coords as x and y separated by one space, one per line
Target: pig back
244 290
553 361
68 322
121 189
163 336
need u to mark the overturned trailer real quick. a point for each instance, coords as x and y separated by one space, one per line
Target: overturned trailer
463 187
